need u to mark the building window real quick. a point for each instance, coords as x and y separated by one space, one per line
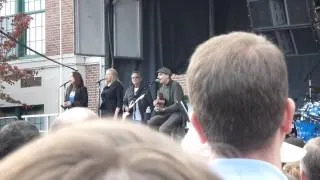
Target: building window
34 37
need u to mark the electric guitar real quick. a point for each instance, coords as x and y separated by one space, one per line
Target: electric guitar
131 105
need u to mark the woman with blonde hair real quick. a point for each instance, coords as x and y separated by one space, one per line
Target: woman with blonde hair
100 150
112 95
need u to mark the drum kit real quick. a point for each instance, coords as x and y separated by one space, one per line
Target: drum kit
307 118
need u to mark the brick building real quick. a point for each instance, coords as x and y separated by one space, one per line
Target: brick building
44 95
44 36
149 34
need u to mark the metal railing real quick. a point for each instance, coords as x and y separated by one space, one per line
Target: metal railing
41 121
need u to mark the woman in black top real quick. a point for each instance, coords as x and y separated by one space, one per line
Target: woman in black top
76 94
112 95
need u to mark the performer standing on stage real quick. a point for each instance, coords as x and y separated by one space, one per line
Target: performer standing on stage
76 94
167 115
112 95
137 99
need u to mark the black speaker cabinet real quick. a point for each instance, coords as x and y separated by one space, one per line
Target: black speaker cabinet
291 24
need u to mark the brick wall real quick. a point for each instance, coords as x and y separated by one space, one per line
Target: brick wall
92 76
52 27
182 80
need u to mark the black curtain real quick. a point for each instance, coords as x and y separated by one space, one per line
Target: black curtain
152 47
172 29
185 24
152 41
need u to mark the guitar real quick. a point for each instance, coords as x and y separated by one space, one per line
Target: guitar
131 105
159 102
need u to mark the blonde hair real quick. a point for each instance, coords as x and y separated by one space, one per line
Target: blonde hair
292 169
115 75
310 163
102 150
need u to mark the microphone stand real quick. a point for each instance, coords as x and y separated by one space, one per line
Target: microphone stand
64 84
309 79
99 96
64 90
310 86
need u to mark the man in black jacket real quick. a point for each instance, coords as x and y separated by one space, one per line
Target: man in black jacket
137 99
167 115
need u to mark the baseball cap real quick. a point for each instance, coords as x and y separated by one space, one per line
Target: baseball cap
164 70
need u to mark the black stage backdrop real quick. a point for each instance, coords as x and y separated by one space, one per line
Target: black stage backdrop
171 31
173 28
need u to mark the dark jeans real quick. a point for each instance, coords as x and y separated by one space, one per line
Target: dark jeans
166 123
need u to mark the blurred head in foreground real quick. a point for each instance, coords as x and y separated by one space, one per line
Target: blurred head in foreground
103 150
72 116
16 134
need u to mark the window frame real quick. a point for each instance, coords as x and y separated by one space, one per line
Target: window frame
21 52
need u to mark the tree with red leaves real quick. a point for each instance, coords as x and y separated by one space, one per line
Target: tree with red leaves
9 75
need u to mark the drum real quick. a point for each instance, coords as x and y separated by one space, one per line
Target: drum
307 129
308 123
313 110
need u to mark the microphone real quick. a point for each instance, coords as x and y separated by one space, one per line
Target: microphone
154 81
65 83
101 80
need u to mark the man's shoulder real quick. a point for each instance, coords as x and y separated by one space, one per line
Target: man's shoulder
130 88
246 169
175 83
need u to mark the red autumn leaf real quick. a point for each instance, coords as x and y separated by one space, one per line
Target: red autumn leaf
9 75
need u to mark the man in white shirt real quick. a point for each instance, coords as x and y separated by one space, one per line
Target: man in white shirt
238 87
137 99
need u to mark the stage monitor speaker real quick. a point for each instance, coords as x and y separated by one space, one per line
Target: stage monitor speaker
268 13
285 41
299 11
89 21
127 30
260 14
305 40
282 38
297 41
288 23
